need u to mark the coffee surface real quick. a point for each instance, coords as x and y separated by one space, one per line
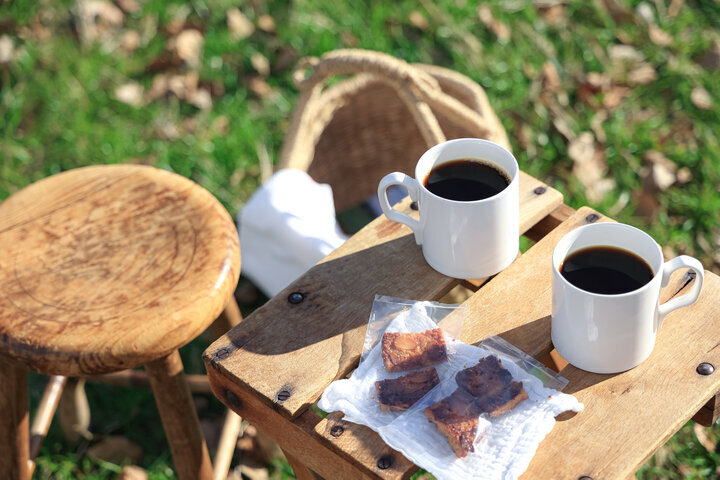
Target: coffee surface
606 270
466 180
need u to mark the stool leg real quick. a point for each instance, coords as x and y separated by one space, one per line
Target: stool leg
229 317
182 427
14 423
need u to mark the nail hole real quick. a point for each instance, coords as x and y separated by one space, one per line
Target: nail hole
337 430
385 462
414 205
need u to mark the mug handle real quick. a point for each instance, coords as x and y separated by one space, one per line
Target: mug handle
397 178
683 261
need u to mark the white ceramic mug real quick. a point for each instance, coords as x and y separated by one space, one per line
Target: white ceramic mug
613 333
471 239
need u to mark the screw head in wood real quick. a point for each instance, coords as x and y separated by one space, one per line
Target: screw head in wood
705 368
232 399
385 461
295 298
282 395
222 354
414 205
592 218
540 190
585 477
337 430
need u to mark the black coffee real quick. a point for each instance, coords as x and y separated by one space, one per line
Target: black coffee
466 180
606 270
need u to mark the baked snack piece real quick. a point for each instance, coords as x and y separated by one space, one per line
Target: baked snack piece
456 417
494 388
401 393
407 351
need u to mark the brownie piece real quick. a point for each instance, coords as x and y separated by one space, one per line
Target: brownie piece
494 388
407 351
456 417
402 392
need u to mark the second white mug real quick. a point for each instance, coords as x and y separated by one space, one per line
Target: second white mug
461 239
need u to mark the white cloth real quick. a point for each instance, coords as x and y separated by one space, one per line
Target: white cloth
509 442
286 227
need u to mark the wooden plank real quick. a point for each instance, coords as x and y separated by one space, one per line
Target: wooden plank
300 470
497 309
297 437
293 351
549 223
709 413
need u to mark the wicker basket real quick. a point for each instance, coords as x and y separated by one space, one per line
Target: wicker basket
379 120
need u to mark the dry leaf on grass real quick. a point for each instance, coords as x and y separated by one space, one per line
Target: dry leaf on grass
130 93
703 437
95 19
701 98
188 44
642 75
266 23
260 87
200 98
674 8
554 14
239 26
550 77
130 41
260 63
589 166
7 48
418 20
116 449
710 60
500 30
662 169
130 6
659 36
615 96
132 472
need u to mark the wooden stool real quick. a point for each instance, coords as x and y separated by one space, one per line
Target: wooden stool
106 268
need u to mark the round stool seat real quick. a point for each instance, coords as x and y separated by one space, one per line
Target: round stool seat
109 267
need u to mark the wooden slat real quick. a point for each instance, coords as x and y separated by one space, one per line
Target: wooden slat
709 413
297 438
547 224
293 351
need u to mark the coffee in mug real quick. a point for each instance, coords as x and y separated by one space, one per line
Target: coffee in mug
605 295
468 201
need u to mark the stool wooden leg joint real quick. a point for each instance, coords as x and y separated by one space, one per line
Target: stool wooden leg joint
182 428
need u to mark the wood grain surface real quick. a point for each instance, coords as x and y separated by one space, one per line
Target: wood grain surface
307 345
14 423
108 267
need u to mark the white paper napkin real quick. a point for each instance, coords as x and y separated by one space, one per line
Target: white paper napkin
509 442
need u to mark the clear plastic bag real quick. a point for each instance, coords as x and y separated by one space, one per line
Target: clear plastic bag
401 315
493 446
356 396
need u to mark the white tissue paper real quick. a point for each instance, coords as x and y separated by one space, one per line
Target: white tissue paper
286 227
509 442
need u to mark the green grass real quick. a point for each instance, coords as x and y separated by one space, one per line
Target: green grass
58 111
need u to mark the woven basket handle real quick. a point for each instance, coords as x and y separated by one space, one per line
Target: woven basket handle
414 86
